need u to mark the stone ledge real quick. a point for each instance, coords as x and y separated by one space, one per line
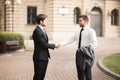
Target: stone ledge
107 71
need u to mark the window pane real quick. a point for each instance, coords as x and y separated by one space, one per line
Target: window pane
31 13
115 17
76 15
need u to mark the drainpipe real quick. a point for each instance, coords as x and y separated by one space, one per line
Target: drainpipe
4 16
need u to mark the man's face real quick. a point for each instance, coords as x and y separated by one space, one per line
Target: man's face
43 23
82 22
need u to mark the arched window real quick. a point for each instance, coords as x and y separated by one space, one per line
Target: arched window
76 15
115 17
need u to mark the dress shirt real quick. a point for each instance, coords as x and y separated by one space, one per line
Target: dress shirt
88 38
42 28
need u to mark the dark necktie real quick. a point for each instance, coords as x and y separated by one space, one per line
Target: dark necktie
45 34
80 36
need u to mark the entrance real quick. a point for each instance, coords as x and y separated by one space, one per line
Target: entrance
96 20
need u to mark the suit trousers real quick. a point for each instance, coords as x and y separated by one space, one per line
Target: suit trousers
83 69
40 69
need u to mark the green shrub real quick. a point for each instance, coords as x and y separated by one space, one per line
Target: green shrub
11 36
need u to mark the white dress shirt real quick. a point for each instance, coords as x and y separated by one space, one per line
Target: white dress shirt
42 28
88 38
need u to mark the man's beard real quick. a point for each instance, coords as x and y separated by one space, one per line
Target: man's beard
81 25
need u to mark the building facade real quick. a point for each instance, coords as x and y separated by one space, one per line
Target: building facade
62 16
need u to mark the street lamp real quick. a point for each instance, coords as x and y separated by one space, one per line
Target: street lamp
12 3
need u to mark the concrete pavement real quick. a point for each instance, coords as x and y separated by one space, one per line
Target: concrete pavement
19 65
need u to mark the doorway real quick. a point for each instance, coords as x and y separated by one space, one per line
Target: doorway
96 20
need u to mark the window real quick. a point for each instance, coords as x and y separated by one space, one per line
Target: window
31 13
76 15
115 17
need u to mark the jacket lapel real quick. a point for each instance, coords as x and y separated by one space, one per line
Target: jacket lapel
44 34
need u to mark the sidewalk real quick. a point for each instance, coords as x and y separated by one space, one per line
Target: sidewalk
19 66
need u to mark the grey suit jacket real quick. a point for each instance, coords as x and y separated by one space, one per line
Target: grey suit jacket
88 55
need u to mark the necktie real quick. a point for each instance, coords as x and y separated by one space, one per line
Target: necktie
44 30
45 34
79 45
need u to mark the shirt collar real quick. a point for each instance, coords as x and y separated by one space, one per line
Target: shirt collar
86 26
41 27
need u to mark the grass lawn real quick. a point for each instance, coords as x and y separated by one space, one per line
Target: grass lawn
112 62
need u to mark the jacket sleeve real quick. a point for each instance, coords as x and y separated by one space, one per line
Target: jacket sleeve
43 42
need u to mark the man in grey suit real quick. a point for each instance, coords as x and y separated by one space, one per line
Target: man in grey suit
41 46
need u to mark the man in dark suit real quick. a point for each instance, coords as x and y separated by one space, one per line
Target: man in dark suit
41 46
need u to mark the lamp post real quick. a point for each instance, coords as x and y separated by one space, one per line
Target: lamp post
12 3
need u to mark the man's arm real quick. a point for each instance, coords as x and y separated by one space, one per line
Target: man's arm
43 42
68 41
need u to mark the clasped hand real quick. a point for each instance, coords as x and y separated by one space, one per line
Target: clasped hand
57 46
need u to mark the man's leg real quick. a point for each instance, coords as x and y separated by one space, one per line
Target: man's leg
88 74
80 67
40 70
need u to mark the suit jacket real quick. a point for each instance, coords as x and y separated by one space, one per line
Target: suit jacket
87 56
87 52
41 45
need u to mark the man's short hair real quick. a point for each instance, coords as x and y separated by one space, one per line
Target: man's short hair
85 17
40 17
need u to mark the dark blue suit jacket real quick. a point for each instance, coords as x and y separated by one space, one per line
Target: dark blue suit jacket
41 45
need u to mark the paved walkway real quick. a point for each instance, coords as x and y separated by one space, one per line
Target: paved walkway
19 66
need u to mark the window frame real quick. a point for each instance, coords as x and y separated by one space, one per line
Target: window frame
77 13
115 17
31 14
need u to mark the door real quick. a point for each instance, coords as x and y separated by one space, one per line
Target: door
96 20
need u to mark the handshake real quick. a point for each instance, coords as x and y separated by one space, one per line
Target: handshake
57 46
